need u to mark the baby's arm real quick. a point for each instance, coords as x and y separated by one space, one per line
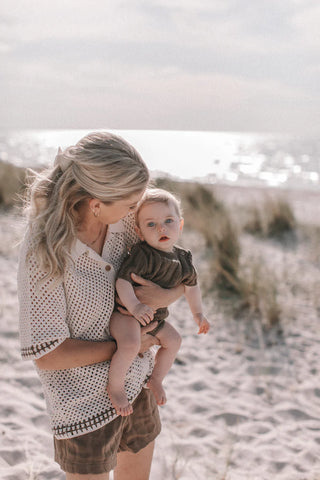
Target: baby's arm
193 296
140 311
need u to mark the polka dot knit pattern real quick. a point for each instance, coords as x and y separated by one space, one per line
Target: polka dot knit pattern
79 307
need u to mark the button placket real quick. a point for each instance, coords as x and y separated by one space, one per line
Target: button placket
109 272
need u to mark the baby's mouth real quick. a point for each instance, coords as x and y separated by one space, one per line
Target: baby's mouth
163 238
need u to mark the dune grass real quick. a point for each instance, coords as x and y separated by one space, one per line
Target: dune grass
12 184
259 293
272 218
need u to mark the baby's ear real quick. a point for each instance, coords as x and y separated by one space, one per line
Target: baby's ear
138 232
181 223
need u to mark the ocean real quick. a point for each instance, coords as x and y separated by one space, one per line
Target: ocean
253 159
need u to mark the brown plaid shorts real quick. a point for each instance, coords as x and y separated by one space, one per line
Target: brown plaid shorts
96 452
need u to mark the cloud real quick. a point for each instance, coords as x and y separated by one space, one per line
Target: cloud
306 24
211 64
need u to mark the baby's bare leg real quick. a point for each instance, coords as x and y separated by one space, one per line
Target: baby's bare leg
126 331
170 341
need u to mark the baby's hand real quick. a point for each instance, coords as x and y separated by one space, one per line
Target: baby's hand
203 323
143 313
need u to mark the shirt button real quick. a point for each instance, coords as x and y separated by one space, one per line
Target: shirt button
108 268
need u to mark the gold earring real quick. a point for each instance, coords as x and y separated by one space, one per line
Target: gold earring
95 213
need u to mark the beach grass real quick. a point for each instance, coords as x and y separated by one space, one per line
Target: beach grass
12 183
273 217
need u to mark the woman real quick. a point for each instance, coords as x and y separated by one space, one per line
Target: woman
79 229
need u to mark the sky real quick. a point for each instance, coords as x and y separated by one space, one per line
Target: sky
215 65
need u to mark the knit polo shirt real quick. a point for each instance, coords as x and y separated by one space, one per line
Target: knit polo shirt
78 307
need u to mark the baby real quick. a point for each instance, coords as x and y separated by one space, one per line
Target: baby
157 258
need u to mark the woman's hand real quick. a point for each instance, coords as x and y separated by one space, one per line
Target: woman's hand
147 341
156 297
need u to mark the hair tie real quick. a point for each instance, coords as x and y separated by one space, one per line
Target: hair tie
62 161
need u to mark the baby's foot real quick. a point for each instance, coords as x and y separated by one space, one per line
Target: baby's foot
157 390
120 401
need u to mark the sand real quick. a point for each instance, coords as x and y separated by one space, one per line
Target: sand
241 405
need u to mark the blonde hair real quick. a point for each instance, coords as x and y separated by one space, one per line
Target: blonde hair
158 195
101 165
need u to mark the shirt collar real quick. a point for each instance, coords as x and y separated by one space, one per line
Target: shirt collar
80 248
117 227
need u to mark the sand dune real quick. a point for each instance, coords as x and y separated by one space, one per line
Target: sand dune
239 408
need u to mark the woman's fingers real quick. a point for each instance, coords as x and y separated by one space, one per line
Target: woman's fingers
141 280
147 328
123 310
148 341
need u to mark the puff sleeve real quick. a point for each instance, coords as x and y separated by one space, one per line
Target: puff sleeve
136 261
190 278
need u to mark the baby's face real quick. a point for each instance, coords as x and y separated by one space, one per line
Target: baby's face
159 225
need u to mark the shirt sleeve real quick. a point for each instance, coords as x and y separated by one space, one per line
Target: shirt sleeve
42 309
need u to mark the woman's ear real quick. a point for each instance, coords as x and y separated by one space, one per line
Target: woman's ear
181 223
95 205
138 232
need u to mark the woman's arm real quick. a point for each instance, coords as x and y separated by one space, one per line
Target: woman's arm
76 353
156 297
79 353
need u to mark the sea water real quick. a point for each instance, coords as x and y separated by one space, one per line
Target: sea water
225 157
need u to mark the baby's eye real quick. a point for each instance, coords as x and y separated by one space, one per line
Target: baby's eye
169 220
150 224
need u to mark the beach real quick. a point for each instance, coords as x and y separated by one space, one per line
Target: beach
243 403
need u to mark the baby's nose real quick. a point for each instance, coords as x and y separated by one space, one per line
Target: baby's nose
161 227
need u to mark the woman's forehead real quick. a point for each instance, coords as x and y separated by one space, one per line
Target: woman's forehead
134 198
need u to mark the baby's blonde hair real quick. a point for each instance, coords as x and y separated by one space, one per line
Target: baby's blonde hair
101 165
158 195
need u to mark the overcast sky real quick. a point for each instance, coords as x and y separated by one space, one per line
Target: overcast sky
231 65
